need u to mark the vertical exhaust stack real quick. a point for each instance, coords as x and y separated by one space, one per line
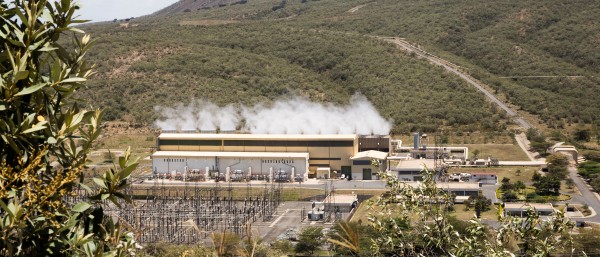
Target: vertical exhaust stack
228 174
293 176
416 140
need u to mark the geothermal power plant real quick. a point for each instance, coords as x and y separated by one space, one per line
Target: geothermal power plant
279 157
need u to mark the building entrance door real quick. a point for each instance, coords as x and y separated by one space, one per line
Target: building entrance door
347 171
366 174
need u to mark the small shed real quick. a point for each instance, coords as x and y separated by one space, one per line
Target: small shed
324 173
521 209
486 178
362 164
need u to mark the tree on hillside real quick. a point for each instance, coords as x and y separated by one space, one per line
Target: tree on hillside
557 165
582 134
45 139
541 147
534 135
592 155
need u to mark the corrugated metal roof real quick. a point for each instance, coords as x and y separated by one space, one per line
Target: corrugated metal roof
255 136
416 163
229 154
372 154
524 206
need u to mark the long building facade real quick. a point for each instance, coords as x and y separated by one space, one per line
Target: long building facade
259 154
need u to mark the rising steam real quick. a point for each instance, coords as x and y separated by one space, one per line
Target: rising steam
297 115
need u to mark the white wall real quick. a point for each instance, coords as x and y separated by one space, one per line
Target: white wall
259 166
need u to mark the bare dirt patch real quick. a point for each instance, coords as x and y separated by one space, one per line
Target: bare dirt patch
123 63
206 22
356 8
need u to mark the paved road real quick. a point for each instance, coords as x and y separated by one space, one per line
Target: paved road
456 70
589 196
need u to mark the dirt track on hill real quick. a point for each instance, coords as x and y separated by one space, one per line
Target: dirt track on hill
458 71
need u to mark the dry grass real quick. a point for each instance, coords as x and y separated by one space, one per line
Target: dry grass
464 138
206 22
237 193
502 172
461 214
122 141
503 152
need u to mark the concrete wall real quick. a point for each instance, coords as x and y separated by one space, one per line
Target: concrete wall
357 171
334 157
260 166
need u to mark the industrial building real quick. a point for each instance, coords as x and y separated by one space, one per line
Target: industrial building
422 150
462 191
269 154
412 169
521 209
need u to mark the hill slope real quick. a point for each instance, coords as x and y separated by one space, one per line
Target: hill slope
262 50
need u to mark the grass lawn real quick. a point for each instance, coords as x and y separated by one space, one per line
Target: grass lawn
522 196
122 141
564 188
464 138
509 172
461 214
502 152
300 194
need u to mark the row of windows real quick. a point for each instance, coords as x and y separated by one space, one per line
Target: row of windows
325 159
277 161
361 162
281 143
263 161
173 160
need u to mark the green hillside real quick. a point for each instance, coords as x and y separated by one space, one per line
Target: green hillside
263 50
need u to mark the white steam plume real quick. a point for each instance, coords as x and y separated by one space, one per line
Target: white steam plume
198 115
296 115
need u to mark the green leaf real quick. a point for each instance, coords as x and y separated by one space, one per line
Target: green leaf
4 207
52 140
127 171
85 187
74 79
99 182
47 49
32 89
56 71
21 75
81 207
35 128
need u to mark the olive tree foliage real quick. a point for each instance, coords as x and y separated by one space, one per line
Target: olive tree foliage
45 139
413 221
